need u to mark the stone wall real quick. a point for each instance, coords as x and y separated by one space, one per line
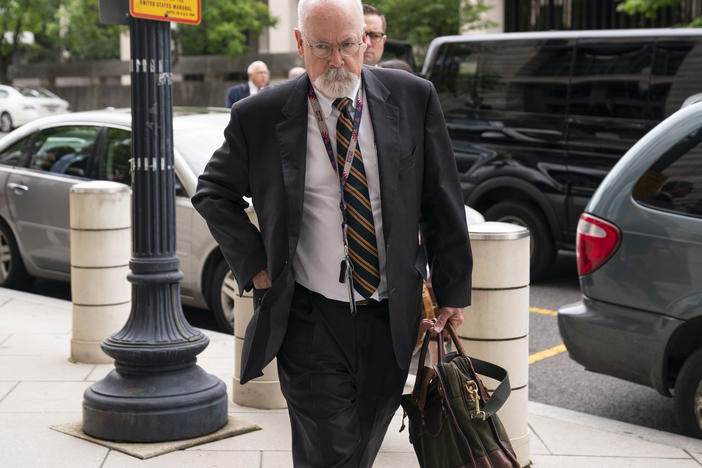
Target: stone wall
198 80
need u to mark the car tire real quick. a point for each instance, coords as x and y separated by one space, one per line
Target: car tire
221 297
6 124
543 249
12 270
688 395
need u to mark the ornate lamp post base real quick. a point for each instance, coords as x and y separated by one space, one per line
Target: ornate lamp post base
167 406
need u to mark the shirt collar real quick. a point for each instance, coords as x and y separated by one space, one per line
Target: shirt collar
327 104
252 87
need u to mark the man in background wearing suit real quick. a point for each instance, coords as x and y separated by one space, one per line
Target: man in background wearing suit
258 78
339 306
375 34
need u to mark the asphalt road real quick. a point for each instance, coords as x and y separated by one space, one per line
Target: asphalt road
555 380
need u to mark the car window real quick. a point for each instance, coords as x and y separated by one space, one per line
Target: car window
179 189
674 181
3 94
64 150
518 76
672 78
115 163
611 79
30 92
12 155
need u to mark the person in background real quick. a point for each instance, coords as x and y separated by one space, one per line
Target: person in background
258 78
375 35
338 304
295 72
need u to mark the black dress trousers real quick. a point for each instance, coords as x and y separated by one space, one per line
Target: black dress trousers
340 378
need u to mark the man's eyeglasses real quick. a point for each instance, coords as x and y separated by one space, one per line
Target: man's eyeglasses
374 36
324 50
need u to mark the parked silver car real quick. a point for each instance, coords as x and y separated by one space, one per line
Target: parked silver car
639 256
40 161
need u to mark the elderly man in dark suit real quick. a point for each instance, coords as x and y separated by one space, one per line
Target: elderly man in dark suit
344 164
258 78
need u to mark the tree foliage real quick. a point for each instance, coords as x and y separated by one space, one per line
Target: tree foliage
17 18
420 21
650 8
224 28
61 30
84 37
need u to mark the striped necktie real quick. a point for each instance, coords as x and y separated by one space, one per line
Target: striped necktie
361 232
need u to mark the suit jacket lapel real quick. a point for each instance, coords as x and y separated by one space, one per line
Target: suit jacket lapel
385 120
292 136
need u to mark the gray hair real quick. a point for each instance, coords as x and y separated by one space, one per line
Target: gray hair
253 65
304 6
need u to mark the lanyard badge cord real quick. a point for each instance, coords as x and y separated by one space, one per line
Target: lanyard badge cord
346 267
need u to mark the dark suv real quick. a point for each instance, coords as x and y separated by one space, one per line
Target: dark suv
538 119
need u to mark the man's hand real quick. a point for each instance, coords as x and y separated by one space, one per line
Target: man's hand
262 280
454 315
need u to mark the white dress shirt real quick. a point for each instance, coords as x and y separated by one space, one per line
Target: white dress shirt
320 248
253 89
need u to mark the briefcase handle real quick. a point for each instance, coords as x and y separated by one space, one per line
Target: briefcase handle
492 403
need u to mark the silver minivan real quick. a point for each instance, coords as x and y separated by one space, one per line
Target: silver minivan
639 257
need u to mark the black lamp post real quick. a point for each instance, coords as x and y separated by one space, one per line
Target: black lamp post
156 391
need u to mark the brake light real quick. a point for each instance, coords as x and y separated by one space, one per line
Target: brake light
596 242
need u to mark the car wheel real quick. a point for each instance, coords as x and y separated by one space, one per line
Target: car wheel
12 270
688 395
222 293
5 122
543 249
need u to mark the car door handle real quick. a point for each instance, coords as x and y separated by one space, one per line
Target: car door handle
18 187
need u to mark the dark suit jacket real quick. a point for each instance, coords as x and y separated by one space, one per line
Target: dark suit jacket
237 92
264 156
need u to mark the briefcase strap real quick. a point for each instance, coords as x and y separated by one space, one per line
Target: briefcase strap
492 403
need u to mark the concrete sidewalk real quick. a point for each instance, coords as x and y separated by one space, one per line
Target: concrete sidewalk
40 388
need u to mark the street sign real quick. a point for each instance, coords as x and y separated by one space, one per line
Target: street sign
179 11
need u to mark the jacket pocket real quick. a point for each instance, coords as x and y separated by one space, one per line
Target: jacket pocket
258 295
408 160
420 262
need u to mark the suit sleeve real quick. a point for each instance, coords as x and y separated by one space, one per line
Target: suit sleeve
230 98
219 199
443 219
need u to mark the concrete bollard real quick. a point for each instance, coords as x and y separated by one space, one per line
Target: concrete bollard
261 392
496 326
100 221
264 391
